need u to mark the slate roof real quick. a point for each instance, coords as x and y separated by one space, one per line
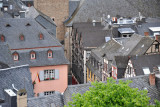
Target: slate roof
150 22
149 61
46 101
5 56
89 33
45 21
73 4
31 34
41 57
135 45
121 63
16 75
94 9
140 82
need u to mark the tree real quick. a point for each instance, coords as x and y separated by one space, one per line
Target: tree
111 94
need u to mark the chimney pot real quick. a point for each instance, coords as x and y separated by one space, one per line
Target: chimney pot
152 79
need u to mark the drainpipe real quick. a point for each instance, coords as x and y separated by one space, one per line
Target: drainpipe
85 53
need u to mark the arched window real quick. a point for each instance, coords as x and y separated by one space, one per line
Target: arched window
41 36
2 38
50 54
15 56
21 37
33 55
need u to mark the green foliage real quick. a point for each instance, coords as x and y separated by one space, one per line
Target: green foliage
112 95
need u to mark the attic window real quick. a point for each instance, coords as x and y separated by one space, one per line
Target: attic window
21 37
15 56
41 36
146 70
2 38
28 24
8 25
50 54
33 55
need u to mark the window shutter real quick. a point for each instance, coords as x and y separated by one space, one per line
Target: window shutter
56 74
41 94
41 75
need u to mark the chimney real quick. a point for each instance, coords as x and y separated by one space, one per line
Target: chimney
152 78
22 98
10 98
146 33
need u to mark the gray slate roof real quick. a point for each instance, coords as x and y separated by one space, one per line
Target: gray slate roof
41 57
31 34
135 45
94 9
16 76
150 22
5 55
92 36
149 61
73 4
140 82
45 21
46 101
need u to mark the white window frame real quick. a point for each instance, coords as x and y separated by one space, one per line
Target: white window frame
49 92
15 57
33 55
50 54
49 74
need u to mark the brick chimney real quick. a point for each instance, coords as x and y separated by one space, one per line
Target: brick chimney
152 79
22 98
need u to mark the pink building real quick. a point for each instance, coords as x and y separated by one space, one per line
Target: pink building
31 44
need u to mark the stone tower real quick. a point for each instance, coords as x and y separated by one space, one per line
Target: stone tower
58 10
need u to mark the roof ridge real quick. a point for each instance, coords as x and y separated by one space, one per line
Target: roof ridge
15 67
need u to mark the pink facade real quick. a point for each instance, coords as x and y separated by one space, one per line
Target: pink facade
50 85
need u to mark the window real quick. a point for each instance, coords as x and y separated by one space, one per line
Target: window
2 38
5 8
156 46
50 54
41 36
28 24
21 37
49 74
15 56
146 70
8 25
33 55
49 92
114 72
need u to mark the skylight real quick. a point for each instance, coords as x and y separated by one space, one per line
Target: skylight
146 70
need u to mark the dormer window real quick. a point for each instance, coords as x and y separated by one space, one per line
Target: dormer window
41 36
2 38
21 37
50 54
33 55
15 56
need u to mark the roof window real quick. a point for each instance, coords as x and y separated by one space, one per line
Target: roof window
2 38
21 37
33 55
15 56
41 36
146 70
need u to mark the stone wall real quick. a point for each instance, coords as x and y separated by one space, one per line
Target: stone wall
57 9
